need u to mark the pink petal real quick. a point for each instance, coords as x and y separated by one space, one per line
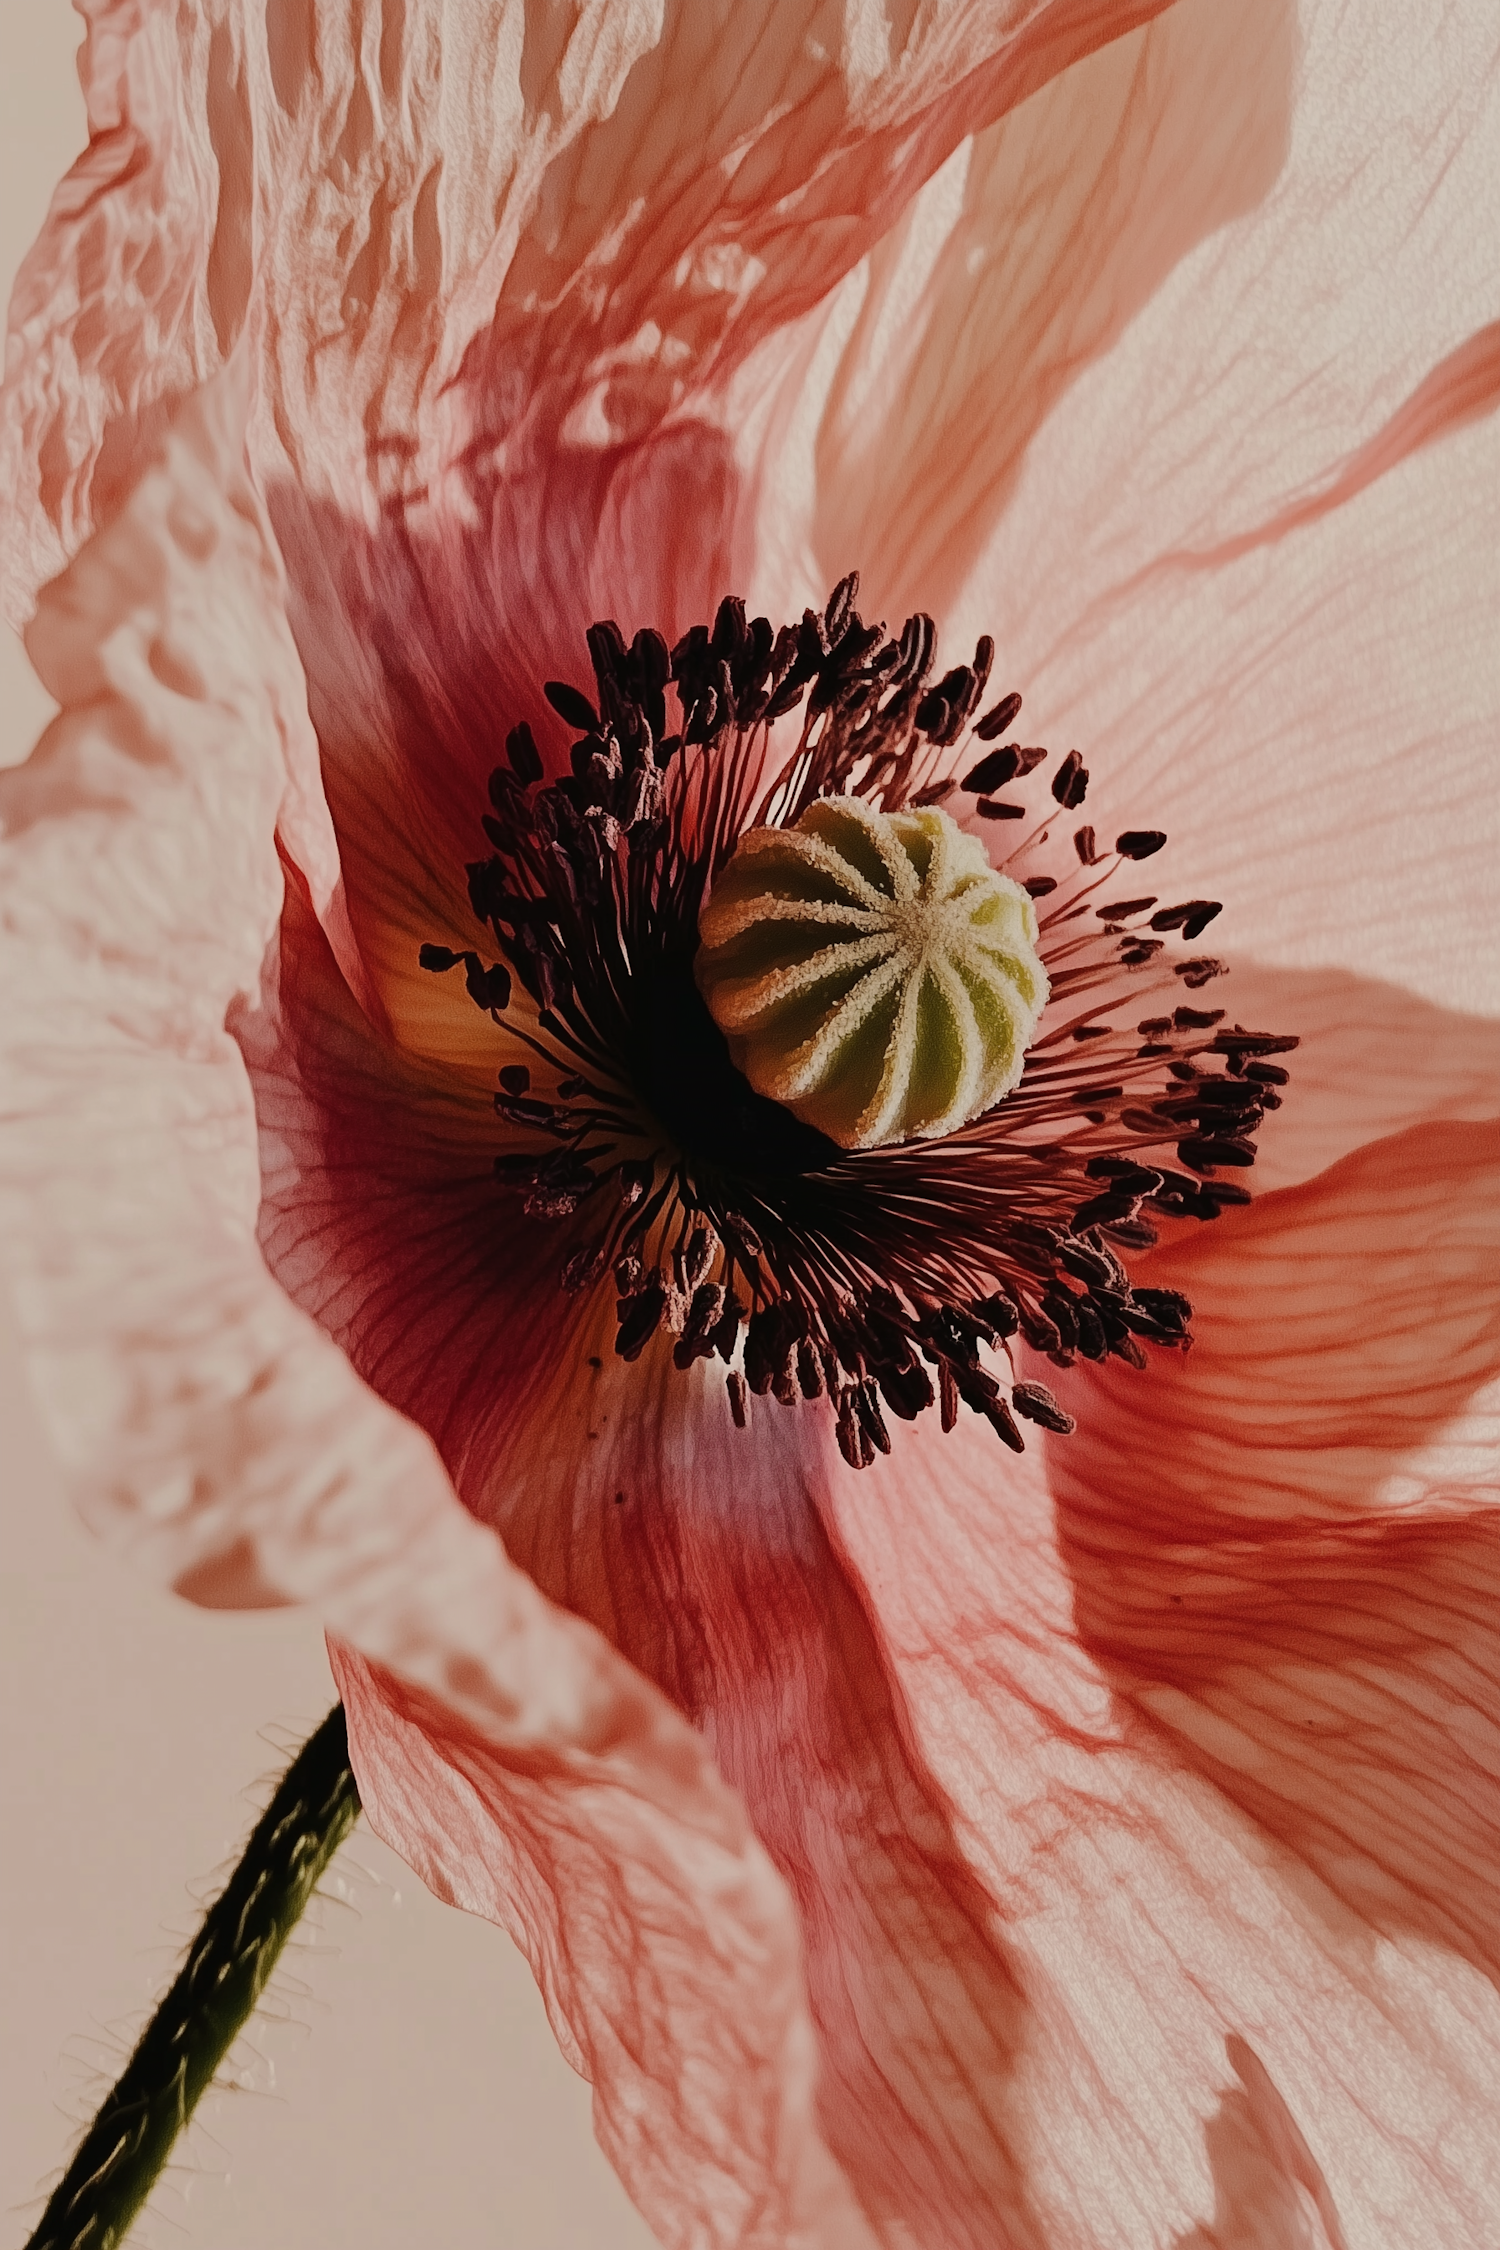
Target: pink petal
1056 1807
1206 435
215 1431
671 1969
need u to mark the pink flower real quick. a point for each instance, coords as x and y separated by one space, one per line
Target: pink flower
1091 1847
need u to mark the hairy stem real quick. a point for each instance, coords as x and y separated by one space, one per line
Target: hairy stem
115 2167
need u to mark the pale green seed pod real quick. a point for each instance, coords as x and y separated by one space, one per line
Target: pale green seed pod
871 971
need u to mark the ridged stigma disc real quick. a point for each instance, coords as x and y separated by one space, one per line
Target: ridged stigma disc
871 971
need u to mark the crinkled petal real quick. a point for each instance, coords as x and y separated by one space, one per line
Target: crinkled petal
672 1970
217 1433
469 219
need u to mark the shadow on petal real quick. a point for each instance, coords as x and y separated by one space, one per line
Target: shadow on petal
1075 209
703 1551
1374 1060
1462 388
739 177
1268 2186
1286 1547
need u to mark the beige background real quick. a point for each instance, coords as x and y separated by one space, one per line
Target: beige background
401 2087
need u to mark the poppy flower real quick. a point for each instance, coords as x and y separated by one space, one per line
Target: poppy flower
916 1840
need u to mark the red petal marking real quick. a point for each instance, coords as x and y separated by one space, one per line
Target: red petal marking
419 656
384 1222
919 2014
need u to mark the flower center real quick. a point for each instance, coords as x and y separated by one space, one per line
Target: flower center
757 1067
872 971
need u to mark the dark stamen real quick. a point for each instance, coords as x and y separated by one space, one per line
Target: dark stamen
733 1229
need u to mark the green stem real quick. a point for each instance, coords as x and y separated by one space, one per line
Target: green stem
223 1976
